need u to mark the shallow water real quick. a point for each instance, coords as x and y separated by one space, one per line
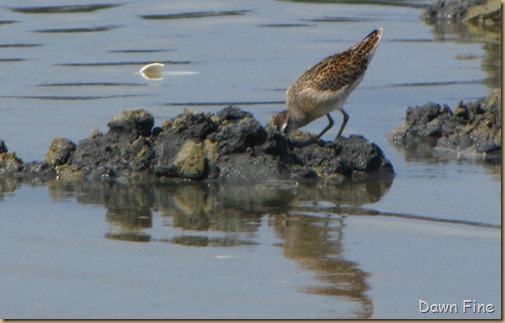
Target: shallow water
274 250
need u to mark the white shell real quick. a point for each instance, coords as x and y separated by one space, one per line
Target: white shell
152 71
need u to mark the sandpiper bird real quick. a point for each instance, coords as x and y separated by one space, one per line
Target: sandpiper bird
325 86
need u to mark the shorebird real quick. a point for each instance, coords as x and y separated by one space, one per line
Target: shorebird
325 86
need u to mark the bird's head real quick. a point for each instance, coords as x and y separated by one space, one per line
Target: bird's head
282 122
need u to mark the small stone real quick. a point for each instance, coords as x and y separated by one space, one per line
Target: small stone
157 131
461 111
233 113
95 134
192 125
59 152
39 169
235 136
3 147
10 163
362 154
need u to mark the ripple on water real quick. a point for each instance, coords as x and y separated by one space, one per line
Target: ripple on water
195 14
77 30
20 45
63 8
166 62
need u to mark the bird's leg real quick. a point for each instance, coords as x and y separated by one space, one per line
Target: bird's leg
346 118
330 124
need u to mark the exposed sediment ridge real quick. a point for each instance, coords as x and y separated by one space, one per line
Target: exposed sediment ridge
229 145
472 127
482 13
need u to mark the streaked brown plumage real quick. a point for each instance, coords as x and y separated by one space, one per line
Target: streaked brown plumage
325 86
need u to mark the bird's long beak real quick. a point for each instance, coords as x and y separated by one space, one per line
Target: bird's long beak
279 120
284 127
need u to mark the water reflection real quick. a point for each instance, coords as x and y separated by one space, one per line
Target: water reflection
305 218
7 187
209 206
427 152
316 244
490 37
309 220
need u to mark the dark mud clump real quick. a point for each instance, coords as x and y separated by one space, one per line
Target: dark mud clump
125 149
482 13
450 9
11 164
229 145
472 126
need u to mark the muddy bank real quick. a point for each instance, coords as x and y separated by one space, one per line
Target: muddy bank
229 145
481 13
472 127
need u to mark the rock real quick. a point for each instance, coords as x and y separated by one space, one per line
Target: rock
232 113
429 121
449 9
227 146
190 161
122 151
237 136
136 122
39 170
481 13
361 155
69 173
346 156
276 143
60 151
3 147
179 140
249 168
473 125
487 14
191 125
10 163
